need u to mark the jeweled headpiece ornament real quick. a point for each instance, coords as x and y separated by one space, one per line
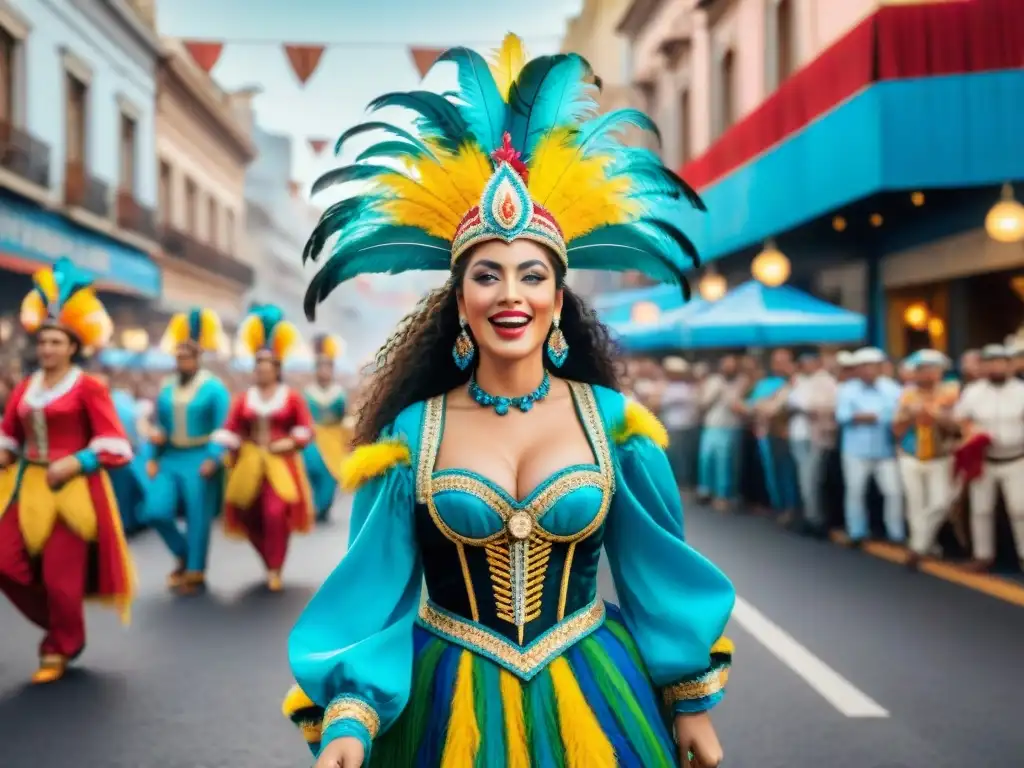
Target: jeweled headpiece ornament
265 332
62 297
518 151
198 328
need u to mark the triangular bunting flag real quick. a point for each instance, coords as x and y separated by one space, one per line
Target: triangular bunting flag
318 145
304 59
424 58
205 55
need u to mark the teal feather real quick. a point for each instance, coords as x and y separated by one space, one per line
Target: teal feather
378 125
438 119
388 250
393 149
523 93
270 317
69 280
551 97
335 219
351 173
624 247
597 135
480 101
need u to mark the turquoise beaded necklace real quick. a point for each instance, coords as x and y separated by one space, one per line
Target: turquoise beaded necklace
501 405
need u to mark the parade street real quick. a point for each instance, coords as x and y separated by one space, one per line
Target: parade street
842 661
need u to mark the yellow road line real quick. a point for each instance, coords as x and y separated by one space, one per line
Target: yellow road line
993 586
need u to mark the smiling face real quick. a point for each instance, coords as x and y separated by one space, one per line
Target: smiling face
54 348
509 298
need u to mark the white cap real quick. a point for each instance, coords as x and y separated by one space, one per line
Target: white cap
675 365
868 356
994 352
845 359
929 357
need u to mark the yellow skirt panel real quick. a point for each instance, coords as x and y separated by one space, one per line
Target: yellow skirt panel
252 466
39 508
330 441
8 483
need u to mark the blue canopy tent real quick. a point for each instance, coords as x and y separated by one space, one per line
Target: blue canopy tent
153 359
663 334
617 306
754 315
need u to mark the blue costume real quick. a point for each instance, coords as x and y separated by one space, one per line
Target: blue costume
512 659
130 482
187 414
324 455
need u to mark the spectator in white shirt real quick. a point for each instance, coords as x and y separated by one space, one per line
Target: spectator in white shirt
995 407
721 403
680 413
812 403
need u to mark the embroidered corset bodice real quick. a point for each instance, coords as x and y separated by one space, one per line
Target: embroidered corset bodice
262 421
517 567
55 422
189 413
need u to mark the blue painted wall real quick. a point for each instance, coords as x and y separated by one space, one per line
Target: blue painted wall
123 66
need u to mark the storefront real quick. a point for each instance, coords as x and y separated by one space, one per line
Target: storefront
31 238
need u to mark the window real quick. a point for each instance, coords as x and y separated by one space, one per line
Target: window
191 206
726 92
213 223
77 103
784 54
165 193
8 63
684 126
229 232
128 129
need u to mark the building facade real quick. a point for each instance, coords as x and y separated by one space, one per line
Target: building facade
867 138
77 159
203 148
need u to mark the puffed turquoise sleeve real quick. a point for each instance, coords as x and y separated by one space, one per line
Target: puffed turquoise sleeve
351 651
674 601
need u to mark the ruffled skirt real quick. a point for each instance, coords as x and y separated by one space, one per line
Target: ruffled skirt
593 707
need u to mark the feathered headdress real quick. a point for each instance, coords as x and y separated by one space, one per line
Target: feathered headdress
327 347
518 151
62 297
200 328
265 331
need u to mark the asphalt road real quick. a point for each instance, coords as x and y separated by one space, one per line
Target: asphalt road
822 633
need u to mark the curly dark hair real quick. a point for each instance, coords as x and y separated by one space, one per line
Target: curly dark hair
416 362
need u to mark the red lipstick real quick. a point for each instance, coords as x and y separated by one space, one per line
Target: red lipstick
509 324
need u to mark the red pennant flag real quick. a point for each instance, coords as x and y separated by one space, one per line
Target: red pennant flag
205 55
318 145
424 58
304 59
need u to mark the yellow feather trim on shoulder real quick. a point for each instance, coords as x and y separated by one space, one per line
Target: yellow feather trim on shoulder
724 646
640 422
369 461
295 701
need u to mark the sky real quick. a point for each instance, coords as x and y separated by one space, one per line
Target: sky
369 56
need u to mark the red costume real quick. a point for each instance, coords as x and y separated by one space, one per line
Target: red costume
268 495
59 545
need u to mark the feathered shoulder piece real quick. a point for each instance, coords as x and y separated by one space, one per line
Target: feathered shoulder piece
369 461
264 331
638 421
62 297
518 151
200 328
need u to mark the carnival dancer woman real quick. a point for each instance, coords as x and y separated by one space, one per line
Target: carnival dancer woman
268 494
60 530
184 463
326 400
496 458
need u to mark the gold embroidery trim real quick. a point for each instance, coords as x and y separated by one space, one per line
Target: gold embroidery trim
524 661
711 682
351 708
470 592
566 572
311 730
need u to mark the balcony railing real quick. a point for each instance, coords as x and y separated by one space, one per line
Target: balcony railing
185 247
85 191
135 217
24 155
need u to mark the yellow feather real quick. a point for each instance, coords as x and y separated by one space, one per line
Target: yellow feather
46 283
586 745
462 741
285 339
515 721
176 333
369 461
251 334
575 190
33 312
209 330
507 62
640 422
295 701
723 646
329 348
84 316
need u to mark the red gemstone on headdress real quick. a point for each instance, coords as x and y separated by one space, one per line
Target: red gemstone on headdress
508 154
508 207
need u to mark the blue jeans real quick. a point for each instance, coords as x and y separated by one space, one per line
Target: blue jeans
717 467
779 473
810 475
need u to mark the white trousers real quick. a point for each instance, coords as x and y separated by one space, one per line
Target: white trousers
856 474
927 487
1009 478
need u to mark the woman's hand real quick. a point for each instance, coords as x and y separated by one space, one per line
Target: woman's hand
157 436
6 459
346 752
696 734
62 470
284 445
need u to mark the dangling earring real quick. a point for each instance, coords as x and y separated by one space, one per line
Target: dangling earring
463 350
557 347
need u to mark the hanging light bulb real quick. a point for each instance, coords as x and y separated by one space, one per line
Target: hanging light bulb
645 313
916 316
1005 222
770 267
712 286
